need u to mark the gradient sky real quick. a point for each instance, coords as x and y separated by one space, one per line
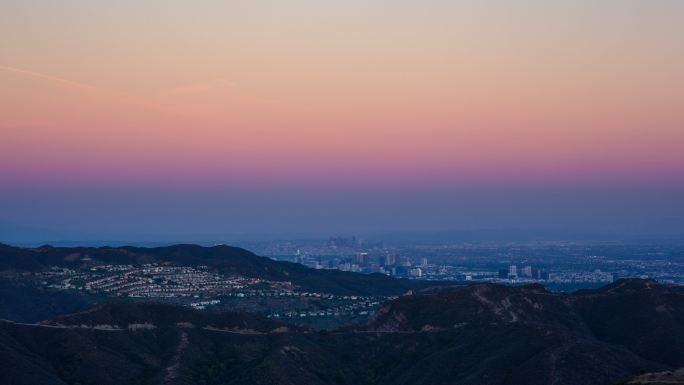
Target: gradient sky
179 119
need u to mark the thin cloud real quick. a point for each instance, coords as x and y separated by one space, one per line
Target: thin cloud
51 78
107 94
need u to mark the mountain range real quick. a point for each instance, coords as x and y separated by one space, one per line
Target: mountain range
477 334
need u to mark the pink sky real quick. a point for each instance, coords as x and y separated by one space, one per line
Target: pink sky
299 115
396 93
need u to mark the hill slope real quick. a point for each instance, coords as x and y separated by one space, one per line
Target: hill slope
480 334
226 259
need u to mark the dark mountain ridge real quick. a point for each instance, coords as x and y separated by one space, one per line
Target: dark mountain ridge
479 334
642 315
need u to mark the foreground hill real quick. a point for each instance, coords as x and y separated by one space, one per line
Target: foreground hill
668 377
226 259
480 334
123 315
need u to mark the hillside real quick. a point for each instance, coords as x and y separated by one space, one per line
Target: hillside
119 315
480 334
226 259
667 377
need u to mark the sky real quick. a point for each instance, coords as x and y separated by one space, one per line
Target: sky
181 120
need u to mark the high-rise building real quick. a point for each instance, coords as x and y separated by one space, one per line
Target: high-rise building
536 273
387 260
423 262
526 271
512 271
362 259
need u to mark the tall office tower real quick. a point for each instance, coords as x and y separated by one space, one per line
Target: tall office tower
536 273
362 259
512 271
526 271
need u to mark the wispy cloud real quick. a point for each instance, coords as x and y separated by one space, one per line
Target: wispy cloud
104 93
50 78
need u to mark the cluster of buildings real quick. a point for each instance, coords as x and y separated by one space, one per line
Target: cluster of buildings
200 288
203 304
595 276
418 268
345 306
526 271
155 281
362 262
544 261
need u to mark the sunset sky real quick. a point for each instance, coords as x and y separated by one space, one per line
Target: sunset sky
178 119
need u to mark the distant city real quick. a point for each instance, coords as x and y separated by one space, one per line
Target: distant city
561 265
